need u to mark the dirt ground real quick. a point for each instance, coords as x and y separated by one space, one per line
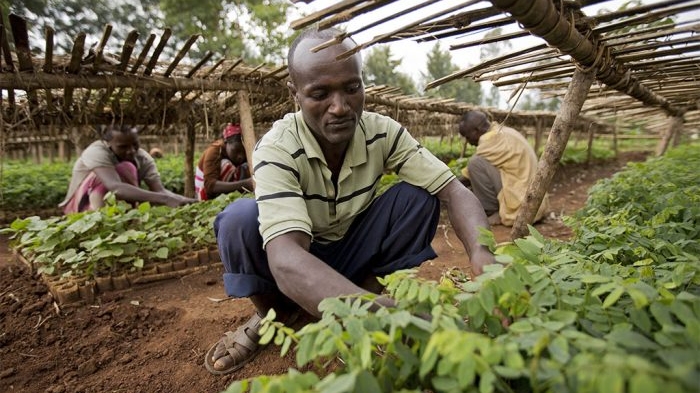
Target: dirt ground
153 339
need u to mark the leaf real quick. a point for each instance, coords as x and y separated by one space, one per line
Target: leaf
424 292
267 336
162 252
640 318
487 298
365 347
338 383
595 278
613 296
466 371
683 312
286 345
487 238
632 340
367 383
279 337
638 297
641 382
413 289
662 313
514 360
486 383
567 317
571 300
305 351
559 349
611 382
522 326
601 289
429 358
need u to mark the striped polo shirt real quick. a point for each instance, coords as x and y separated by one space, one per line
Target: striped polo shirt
293 185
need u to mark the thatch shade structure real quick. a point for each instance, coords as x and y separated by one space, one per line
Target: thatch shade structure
58 97
654 68
642 74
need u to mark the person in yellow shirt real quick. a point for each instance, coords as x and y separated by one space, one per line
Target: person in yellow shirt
501 169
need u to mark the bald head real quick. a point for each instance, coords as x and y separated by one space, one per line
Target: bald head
300 50
329 91
473 125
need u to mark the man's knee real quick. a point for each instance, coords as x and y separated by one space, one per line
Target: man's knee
477 164
409 193
240 215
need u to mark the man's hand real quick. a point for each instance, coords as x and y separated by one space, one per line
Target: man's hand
175 200
248 184
480 258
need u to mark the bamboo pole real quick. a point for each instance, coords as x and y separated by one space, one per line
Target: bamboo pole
64 81
554 149
247 127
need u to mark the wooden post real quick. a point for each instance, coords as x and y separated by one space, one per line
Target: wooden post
589 148
62 151
34 147
556 143
676 140
614 140
247 128
538 135
189 158
674 126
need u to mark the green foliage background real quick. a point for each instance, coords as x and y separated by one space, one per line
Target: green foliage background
29 186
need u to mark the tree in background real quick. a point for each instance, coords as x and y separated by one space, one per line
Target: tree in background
69 17
381 69
440 64
491 51
233 28
250 29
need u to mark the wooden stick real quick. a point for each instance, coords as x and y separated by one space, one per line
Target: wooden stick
247 127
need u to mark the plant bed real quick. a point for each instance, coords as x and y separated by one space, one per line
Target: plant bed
74 290
114 248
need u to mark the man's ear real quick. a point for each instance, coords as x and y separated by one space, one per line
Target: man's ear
292 89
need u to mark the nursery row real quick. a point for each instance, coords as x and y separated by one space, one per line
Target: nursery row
616 309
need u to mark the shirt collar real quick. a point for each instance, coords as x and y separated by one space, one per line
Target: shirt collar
354 155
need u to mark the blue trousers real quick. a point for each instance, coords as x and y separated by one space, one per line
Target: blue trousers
394 233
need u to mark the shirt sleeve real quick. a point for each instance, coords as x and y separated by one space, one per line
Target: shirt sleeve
211 166
148 172
279 195
98 155
415 164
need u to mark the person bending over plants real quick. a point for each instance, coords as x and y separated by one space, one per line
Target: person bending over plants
116 163
317 227
501 169
223 167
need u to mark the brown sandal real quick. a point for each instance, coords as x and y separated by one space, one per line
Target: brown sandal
241 345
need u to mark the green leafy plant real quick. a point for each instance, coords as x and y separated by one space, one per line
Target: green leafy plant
116 237
577 320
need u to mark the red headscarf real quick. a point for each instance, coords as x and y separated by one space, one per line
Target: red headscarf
231 130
